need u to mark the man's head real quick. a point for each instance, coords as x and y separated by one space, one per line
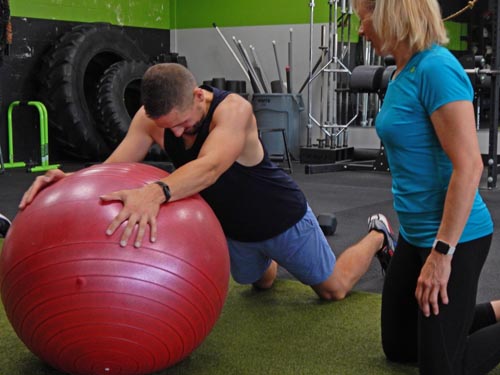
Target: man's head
165 87
172 99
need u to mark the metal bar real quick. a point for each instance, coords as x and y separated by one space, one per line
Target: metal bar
12 163
349 20
330 56
278 66
253 76
343 11
489 72
309 99
290 63
232 51
495 97
264 81
2 167
312 71
334 119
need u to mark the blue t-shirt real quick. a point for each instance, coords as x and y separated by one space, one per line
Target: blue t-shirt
419 166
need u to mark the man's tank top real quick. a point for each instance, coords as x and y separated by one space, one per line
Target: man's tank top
252 203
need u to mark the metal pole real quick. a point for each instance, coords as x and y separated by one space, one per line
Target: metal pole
343 17
348 94
329 55
309 99
349 19
334 119
364 96
245 57
323 140
265 81
290 65
232 51
278 66
495 98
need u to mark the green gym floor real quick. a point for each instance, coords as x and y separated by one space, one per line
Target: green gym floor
286 330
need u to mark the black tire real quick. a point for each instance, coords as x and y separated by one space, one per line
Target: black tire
118 99
69 77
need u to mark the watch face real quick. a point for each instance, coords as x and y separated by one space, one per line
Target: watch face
442 247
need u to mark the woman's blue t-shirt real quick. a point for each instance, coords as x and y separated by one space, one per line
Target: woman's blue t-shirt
419 166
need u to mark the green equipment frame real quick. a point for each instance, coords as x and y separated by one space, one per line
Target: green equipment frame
44 138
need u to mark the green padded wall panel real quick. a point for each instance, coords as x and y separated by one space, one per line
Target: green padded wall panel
227 13
139 13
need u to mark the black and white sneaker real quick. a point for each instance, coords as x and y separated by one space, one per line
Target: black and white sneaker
380 223
4 225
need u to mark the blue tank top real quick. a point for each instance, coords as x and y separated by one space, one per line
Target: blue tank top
252 203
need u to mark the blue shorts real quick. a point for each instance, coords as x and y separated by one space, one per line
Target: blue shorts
302 250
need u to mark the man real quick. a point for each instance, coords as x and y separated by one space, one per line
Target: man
211 136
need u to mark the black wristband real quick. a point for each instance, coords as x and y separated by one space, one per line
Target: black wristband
166 190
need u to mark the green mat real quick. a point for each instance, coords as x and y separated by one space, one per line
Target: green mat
284 331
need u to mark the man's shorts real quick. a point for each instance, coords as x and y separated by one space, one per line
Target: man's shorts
302 250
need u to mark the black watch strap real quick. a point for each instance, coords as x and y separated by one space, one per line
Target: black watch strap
166 190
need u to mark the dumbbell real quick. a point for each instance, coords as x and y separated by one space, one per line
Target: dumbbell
327 223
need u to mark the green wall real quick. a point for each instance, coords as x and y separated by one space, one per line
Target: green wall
139 13
226 13
185 14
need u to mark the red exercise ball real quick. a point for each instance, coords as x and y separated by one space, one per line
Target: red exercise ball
85 305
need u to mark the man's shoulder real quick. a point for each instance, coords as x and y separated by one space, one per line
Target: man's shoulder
235 100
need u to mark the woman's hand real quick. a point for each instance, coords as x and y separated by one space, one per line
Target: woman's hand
432 283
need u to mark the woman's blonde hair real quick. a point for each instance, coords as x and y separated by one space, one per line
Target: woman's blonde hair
417 23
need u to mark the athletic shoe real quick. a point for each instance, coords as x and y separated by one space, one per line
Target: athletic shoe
4 225
380 223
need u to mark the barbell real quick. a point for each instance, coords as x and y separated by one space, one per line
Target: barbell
479 71
375 78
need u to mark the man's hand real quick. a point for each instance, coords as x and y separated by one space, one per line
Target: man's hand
140 207
433 282
41 182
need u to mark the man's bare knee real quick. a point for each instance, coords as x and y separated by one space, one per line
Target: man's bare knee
267 280
263 284
329 292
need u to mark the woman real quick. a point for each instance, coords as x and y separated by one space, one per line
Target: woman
428 129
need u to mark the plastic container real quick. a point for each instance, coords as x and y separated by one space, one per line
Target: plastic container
279 111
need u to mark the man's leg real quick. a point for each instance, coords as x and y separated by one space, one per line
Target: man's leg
267 280
250 265
353 263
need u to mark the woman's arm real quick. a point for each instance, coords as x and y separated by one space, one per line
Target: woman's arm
454 124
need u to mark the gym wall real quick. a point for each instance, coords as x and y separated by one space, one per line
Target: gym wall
36 26
151 14
182 26
258 23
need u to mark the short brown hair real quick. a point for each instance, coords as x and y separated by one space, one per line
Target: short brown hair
165 87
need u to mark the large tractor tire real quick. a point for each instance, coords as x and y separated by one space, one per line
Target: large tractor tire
69 78
118 99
